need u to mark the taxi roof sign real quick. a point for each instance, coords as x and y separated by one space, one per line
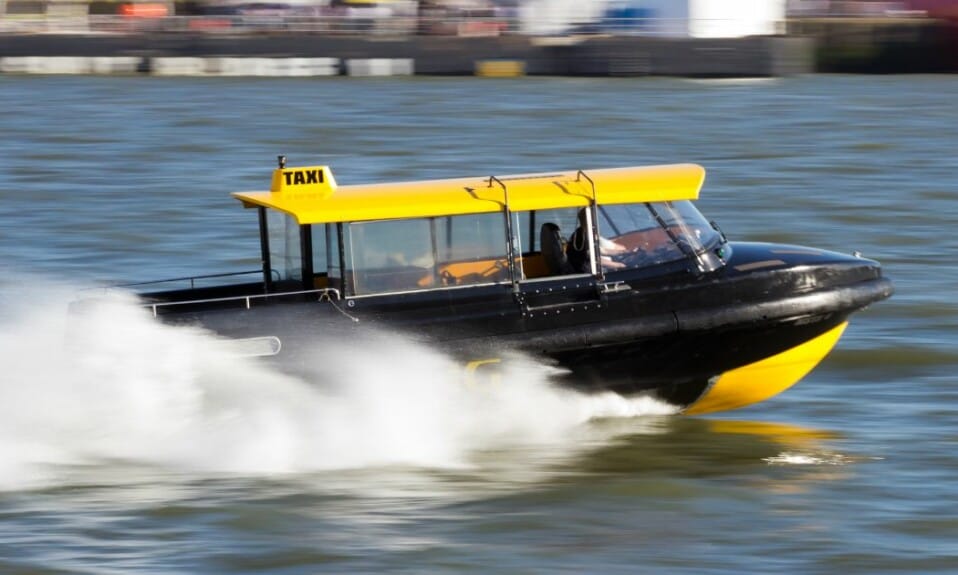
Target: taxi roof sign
315 181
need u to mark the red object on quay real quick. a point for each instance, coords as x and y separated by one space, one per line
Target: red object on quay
143 10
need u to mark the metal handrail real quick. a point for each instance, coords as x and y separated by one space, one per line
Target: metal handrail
324 293
191 279
337 24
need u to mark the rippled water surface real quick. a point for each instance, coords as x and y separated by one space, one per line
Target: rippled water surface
129 447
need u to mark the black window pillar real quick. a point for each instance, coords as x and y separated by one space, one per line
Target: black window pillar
264 250
306 251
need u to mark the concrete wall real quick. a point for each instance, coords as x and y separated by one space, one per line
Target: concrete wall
690 57
881 45
312 55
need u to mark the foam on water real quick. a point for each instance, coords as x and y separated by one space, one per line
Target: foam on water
114 385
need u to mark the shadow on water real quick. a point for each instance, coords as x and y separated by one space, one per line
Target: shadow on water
645 455
689 448
675 455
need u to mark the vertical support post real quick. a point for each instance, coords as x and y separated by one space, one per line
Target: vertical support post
347 284
510 249
593 234
264 251
306 253
592 218
434 244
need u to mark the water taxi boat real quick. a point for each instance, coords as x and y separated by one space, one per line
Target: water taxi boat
610 274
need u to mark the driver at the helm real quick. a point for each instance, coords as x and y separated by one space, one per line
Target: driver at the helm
577 250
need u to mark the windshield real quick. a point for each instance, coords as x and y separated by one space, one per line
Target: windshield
687 225
658 232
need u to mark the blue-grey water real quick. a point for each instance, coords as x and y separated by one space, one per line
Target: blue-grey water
128 447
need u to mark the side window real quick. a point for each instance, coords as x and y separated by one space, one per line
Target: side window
545 251
318 234
470 237
284 247
391 256
565 218
424 253
471 249
523 234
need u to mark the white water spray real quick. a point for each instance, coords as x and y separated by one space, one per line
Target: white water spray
113 385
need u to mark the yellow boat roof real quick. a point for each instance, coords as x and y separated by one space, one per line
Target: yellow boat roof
311 195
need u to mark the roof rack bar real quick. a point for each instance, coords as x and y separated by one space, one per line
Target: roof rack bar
579 175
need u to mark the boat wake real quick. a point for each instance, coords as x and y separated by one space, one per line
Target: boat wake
114 386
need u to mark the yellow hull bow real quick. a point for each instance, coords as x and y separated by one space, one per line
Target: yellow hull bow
766 378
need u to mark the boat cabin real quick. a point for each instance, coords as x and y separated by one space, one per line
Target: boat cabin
368 240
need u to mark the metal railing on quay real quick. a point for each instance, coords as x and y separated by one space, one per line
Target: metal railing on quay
238 25
256 24
338 25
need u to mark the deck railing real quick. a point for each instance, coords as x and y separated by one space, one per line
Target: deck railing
191 280
247 301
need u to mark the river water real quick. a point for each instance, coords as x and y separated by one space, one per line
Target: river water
129 447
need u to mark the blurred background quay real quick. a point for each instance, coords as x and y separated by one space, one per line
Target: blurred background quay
693 38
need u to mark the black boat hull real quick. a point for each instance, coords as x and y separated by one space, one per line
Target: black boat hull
704 342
